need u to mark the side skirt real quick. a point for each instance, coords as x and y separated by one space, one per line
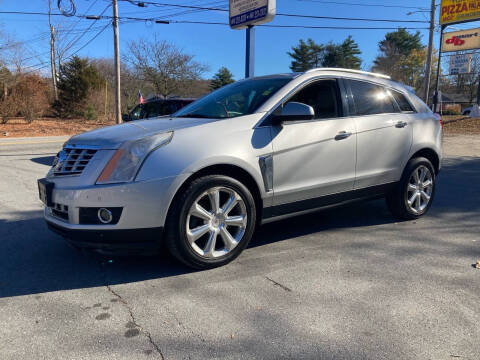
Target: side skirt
301 207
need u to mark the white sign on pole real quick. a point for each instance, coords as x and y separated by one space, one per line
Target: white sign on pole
243 13
460 64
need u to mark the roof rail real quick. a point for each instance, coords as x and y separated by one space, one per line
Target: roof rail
350 71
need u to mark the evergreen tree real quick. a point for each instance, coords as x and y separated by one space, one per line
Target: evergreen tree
344 55
306 56
402 56
403 41
77 78
221 78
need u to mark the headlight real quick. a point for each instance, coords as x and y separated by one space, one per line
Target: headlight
125 163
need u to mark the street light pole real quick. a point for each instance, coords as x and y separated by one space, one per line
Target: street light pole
118 105
428 74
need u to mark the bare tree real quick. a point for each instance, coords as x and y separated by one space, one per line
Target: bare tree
167 68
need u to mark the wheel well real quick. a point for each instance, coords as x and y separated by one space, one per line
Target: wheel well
430 155
232 171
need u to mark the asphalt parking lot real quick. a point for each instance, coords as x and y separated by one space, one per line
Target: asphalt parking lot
348 283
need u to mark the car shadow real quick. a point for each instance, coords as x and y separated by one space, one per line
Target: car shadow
34 260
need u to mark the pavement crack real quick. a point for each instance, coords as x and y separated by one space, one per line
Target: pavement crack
278 284
134 321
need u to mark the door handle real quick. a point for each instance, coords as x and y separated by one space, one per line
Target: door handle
401 124
343 135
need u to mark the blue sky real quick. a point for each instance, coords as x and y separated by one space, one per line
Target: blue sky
217 45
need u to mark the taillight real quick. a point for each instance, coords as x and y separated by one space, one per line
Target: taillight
439 118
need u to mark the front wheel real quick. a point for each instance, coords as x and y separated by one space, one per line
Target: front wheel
211 222
413 195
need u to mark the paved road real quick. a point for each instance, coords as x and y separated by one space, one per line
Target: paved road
349 283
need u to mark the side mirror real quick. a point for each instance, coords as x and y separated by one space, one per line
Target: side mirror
293 111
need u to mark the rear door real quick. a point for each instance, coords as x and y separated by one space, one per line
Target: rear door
384 133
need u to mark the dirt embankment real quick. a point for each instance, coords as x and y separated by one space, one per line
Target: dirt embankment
48 127
453 125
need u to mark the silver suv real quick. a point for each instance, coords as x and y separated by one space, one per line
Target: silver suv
252 152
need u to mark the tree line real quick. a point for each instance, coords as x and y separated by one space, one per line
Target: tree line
401 55
154 66
85 86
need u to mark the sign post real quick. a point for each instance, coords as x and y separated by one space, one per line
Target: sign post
455 12
250 54
244 14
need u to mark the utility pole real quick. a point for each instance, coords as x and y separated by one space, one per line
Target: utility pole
118 105
52 51
436 97
106 97
428 70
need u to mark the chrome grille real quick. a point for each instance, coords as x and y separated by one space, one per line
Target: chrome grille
72 161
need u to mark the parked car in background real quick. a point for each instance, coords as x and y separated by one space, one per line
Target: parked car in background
467 111
157 107
256 151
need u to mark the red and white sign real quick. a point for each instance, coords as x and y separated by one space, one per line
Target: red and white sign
461 40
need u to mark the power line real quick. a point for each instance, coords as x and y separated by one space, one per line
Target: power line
365 5
89 41
96 17
296 26
278 14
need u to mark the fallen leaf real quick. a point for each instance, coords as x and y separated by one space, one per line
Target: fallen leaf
477 265
233 336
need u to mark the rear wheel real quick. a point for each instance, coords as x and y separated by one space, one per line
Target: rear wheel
413 195
211 222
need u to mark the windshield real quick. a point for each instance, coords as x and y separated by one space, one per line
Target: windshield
237 99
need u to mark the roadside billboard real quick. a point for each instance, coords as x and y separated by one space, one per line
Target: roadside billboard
243 13
461 40
457 11
460 64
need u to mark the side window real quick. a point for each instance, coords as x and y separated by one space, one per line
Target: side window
401 101
151 109
323 96
371 99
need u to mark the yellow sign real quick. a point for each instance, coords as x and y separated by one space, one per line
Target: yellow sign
455 11
461 40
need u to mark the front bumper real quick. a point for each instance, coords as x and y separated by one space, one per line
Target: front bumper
144 206
111 240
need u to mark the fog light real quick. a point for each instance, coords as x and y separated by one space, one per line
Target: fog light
105 215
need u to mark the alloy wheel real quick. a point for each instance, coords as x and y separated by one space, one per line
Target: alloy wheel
216 222
419 190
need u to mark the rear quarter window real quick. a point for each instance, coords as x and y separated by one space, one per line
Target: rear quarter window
419 105
402 101
371 99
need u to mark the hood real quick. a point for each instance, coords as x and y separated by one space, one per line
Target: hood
112 137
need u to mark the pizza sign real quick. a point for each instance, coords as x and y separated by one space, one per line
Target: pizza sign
457 11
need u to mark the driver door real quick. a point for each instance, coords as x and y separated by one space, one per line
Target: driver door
314 158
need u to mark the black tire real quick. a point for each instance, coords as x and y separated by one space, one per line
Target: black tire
397 198
176 234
